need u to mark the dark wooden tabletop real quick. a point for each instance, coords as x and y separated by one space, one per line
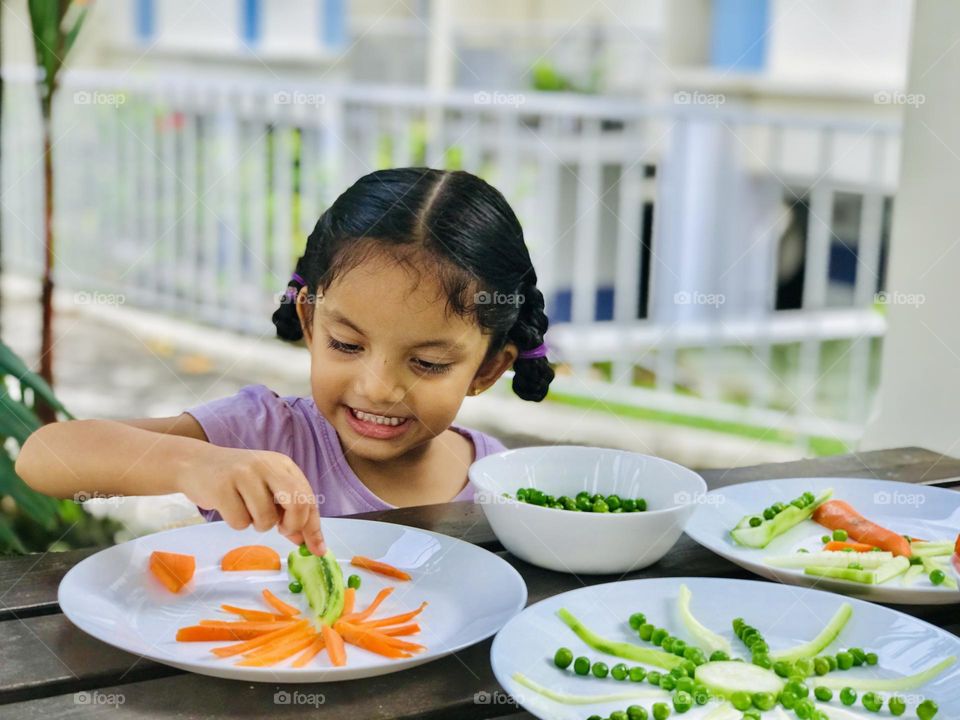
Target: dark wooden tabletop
49 668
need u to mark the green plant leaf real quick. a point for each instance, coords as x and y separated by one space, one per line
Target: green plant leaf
9 542
10 364
16 419
38 507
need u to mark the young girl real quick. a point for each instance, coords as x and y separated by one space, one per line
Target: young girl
415 290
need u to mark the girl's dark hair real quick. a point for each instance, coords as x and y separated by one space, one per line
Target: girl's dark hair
450 223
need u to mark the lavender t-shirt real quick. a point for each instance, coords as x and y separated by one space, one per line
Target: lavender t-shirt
256 418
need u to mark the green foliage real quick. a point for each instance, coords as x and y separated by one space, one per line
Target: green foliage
56 25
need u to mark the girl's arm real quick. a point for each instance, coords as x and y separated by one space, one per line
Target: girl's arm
166 455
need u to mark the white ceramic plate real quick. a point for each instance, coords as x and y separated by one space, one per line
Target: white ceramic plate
785 615
924 512
113 596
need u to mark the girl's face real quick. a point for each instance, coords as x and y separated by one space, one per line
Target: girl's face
380 343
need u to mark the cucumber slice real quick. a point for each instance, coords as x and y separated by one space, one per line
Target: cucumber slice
625 650
911 575
830 558
824 638
727 677
835 712
931 549
322 581
761 535
900 684
703 635
929 566
882 574
648 693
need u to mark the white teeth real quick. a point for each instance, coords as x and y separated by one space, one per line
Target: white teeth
378 419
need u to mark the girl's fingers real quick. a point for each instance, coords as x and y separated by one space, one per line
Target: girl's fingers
296 506
312 535
259 501
233 510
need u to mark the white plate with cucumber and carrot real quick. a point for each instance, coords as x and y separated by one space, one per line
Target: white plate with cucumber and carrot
879 540
721 649
252 606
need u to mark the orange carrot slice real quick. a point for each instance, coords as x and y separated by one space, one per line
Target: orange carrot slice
349 599
395 619
855 546
372 641
363 615
246 624
409 629
174 570
308 654
202 633
278 643
839 515
279 654
254 615
379 567
243 647
251 557
279 605
334 643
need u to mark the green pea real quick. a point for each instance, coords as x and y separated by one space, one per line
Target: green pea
653 677
797 688
619 671
668 682
659 635
689 667
600 506
629 505
685 684
896 705
613 502
788 699
295 586
636 712
701 696
840 535
825 539
581 666
937 577
304 550
637 674
636 620
661 711
823 694
563 657
751 715
641 504
763 661
645 632
859 656
872 659
872 702
679 671
804 666
783 668
354 582
844 660
569 504
832 660
927 710
738 626
522 494
804 709
600 669
821 666
682 701
667 643
768 514
741 701
848 696
618 715
584 504
694 655
718 656
595 497
678 648
764 700
755 521
582 494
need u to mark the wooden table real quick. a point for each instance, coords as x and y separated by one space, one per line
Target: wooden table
49 668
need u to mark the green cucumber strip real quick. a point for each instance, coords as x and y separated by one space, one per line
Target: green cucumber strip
911 575
931 549
882 574
900 684
724 712
625 650
727 677
929 566
890 570
703 635
760 536
822 640
836 712
830 558
648 693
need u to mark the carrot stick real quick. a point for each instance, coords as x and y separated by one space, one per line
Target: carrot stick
334 643
246 625
369 641
273 645
253 615
238 648
394 620
280 653
839 515
349 598
855 546
410 629
379 567
202 633
308 654
360 616
278 604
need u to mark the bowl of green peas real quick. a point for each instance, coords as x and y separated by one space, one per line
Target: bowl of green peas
585 510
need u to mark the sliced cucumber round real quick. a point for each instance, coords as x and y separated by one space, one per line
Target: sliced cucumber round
727 677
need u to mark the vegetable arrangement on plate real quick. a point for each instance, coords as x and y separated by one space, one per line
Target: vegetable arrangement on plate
857 550
676 676
264 637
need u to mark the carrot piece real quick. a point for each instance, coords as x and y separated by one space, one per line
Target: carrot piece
855 546
174 570
246 624
279 654
253 615
203 633
238 648
280 642
308 654
279 605
349 599
395 619
379 567
839 515
363 615
334 643
251 557
956 548
409 629
371 641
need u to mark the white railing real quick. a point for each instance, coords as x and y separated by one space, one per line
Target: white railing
194 196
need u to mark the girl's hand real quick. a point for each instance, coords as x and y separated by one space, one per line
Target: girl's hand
257 487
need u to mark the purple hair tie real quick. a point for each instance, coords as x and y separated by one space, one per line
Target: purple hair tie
299 279
538 352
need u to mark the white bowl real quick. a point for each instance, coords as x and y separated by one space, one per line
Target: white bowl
586 542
